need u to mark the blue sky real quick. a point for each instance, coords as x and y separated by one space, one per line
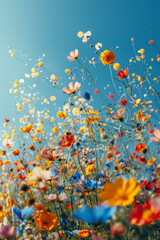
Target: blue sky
35 27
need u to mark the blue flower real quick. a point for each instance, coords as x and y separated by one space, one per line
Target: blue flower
76 177
96 215
25 212
87 95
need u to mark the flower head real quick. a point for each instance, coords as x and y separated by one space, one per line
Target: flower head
46 220
121 192
73 87
107 57
119 115
73 55
122 74
156 137
66 141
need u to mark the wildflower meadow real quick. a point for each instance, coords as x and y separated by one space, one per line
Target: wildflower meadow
84 161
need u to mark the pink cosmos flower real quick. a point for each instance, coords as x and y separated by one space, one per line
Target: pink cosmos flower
156 137
73 87
51 155
50 197
73 55
119 115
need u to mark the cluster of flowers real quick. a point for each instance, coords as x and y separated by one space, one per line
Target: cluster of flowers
87 174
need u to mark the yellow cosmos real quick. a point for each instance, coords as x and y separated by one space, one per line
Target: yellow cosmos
121 192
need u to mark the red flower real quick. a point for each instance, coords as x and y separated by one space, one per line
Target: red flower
6 119
152 185
122 74
141 148
66 141
144 214
124 102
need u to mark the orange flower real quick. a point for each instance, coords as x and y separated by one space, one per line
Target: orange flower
121 192
26 128
16 152
141 147
46 220
107 57
83 233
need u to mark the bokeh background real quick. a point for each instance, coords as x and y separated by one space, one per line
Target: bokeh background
35 27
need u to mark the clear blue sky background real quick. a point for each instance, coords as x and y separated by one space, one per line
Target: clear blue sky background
50 26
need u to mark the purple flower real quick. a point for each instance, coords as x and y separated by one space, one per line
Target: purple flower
7 232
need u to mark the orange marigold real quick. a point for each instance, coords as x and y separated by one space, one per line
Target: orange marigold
107 57
46 220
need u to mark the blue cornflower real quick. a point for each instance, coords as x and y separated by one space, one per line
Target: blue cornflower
76 177
87 95
96 215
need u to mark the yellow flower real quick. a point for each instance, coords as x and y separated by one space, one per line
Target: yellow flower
55 130
90 169
107 57
121 192
61 114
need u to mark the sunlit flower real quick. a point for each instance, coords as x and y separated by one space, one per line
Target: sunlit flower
86 36
46 220
66 141
107 57
73 55
122 74
8 143
141 147
119 115
26 128
73 87
98 46
156 137
39 176
121 192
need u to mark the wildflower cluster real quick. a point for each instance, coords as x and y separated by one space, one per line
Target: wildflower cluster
73 170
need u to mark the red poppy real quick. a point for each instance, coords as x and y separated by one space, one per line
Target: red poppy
141 147
66 141
122 74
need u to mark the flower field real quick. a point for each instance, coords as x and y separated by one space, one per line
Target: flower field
75 169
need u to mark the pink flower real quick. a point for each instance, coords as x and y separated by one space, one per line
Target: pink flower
73 87
62 196
50 155
73 55
124 102
50 197
96 91
111 96
156 137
